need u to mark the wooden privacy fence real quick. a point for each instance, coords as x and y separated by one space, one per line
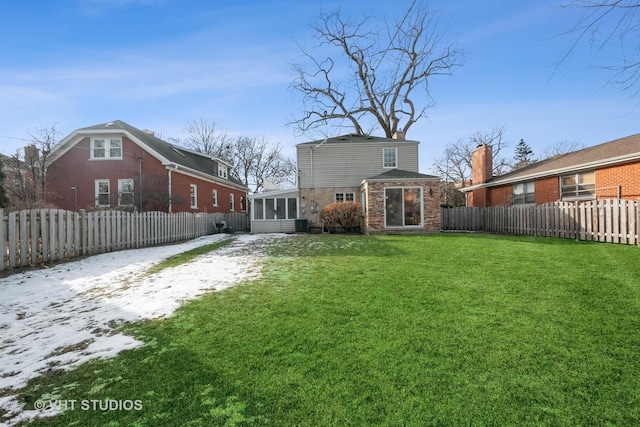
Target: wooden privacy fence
611 220
37 236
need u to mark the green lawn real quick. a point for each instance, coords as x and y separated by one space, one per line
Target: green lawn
460 330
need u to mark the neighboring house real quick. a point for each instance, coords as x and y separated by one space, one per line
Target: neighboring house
115 165
610 170
380 173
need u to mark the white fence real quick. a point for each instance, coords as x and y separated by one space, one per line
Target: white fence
611 220
37 236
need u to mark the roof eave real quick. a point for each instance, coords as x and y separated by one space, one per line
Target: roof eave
558 171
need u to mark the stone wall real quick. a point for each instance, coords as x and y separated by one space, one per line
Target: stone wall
374 221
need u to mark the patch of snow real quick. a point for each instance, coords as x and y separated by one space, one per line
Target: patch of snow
62 316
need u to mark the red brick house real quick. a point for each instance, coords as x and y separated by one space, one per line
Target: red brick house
115 165
606 171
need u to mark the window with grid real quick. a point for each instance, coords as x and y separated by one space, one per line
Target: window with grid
389 158
344 197
125 192
103 196
106 148
579 185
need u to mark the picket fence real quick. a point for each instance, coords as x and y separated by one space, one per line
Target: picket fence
611 220
37 236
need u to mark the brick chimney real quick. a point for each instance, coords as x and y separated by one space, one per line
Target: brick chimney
481 164
481 172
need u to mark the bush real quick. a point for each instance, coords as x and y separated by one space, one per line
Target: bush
344 216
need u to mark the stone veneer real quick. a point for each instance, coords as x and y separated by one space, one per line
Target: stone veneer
374 221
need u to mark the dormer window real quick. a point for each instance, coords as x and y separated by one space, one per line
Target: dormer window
106 148
222 171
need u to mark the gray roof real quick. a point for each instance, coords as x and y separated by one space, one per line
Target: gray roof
353 138
179 155
392 174
618 151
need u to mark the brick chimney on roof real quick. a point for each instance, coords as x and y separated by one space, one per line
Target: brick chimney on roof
481 164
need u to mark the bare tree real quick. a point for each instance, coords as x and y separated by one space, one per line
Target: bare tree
254 160
387 71
455 166
206 136
605 23
28 169
562 146
257 160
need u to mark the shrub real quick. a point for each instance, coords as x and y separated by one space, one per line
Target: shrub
343 216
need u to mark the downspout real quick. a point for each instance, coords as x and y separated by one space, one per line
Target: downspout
175 167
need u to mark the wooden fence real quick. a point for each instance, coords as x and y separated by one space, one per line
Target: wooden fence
613 221
38 236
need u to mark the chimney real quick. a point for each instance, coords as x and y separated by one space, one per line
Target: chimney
31 153
399 134
149 132
481 164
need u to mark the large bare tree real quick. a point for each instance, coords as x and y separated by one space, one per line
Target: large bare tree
257 160
610 23
373 77
207 136
254 160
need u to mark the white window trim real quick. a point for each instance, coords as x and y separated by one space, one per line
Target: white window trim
214 196
107 148
344 195
120 182
232 202
97 193
395 166
223 171
275 209
193 200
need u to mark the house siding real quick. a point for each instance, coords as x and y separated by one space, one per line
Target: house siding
345 165
319 198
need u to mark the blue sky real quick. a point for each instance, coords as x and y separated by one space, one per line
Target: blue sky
158 64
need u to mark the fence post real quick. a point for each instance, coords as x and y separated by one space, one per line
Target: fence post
637 222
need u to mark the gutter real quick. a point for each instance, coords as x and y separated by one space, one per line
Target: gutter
583 166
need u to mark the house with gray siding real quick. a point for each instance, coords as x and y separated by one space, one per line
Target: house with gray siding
379 173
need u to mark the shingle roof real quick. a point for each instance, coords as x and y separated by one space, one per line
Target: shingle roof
401 174
353 138
613 152
173 153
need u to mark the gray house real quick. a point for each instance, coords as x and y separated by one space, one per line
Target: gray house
380 173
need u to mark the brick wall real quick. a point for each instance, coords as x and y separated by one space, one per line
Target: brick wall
500 196
547 190
626 176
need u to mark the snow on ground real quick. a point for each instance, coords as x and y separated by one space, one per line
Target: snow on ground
68 313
